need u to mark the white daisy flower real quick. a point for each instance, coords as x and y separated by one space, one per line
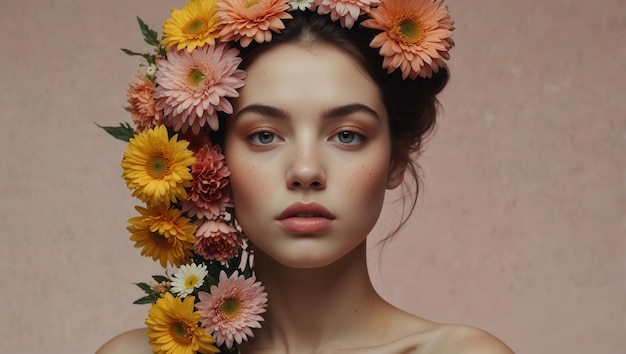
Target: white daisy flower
188 278
300 4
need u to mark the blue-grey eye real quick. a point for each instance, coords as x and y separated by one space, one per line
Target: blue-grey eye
347 137
262 138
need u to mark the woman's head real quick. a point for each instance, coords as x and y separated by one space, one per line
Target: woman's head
314 66
411 105
308 148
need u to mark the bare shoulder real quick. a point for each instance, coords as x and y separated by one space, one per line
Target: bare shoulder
131 342
402 333
461 339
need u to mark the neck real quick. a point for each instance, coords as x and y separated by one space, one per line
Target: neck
314 308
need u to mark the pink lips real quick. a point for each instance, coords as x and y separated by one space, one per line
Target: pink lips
305 218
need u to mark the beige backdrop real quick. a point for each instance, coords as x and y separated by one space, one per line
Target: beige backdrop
520 227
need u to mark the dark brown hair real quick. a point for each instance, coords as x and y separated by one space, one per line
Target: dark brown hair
411 104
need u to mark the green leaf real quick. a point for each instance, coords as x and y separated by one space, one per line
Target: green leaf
150 36
123 132
146 288
145 300
160 278
131 53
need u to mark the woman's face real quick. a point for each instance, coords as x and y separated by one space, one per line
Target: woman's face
308 149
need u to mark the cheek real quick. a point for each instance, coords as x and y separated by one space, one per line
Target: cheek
246 183
366 183
243 173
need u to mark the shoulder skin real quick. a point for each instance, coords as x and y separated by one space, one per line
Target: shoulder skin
468 340
444 339
131 342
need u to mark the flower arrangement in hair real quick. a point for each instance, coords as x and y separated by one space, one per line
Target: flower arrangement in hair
209 301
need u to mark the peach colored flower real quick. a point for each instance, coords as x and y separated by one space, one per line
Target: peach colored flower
217 240
208 197
416 35
347 11
247 20
232 308
193 86
141 104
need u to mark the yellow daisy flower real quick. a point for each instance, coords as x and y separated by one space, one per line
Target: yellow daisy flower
158 169
192 26
173 327
163 234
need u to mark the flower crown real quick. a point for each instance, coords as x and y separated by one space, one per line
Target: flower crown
209 301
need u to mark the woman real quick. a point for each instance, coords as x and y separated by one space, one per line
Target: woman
323 126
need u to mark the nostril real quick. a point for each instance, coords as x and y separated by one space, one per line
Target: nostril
312 185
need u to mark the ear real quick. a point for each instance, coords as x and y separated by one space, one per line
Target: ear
398 165
396 174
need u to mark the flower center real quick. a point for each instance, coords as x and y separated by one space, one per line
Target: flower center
195 77
411 30
250 3
180 332
158 166
230 307
191 281
158 237
196 26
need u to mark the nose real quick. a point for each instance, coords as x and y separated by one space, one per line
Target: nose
306 170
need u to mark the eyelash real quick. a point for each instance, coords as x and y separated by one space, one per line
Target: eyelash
360 138
254 138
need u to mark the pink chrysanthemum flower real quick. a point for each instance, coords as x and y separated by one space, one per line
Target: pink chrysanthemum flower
208 197
416 37
194 86
247 20
141 104
346 11
217 240
232 308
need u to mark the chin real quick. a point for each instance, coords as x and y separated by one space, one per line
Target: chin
310 263
309 256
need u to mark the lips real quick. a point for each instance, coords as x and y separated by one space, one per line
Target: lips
305 218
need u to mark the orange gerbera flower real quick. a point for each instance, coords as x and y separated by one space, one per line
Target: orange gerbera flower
416 35
247 20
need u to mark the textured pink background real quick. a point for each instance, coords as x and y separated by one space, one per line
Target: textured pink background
520 227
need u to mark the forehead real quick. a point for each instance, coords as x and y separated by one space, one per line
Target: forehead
293 74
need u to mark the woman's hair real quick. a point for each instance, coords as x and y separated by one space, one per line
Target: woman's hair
411 104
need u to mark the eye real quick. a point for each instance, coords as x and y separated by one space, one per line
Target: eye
262 138
348 137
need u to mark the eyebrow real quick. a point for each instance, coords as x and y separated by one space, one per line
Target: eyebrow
264 110
335 112
346 110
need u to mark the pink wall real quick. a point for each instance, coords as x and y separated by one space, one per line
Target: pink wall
520 228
